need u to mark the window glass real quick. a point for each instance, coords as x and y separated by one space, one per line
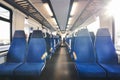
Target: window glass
117 32
4 33
4 13
5 27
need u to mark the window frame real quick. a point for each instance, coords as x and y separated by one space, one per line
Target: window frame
7 20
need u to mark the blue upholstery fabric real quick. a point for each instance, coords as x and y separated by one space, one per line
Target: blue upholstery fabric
105 48
52 45
68 41
57 40
17 49
90 70
72 44
86 60
47 39
30 69
7 69
83 47
36 49
34 64
16 54
113 70
106 55
37 34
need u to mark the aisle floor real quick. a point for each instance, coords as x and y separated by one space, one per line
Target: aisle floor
60 67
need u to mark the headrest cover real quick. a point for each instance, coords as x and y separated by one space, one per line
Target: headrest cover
103 32
19 34
37 34
83 32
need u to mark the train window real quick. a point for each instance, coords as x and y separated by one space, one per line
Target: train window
117 32
4 13
4 33
5 27
114 11
94 26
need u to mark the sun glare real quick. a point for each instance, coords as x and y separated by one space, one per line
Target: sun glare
113 8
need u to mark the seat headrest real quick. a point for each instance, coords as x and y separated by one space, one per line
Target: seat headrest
103 32
37 34
83 32
19 34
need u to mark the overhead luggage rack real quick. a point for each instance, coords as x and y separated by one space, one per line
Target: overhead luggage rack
26 7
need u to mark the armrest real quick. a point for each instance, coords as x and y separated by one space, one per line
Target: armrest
75 56
44 56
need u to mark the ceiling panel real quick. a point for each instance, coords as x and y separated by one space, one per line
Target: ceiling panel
61 10
84 9
79 8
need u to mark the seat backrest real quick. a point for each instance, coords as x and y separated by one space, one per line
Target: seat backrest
84 48
36 47
72 44
47 39
92 37
17 50
52 43
104 47
67 40
70 41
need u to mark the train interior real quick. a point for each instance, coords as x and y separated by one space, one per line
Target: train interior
59 40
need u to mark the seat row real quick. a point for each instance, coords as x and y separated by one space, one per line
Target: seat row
95 59
25 59
52 43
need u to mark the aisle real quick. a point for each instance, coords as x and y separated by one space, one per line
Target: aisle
60 67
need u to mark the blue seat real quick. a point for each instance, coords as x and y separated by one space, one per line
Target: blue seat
90 70
68 42
52 44
48 40
92 37
86 61
15 55
30 69
34 63
57 40
72 46
106 54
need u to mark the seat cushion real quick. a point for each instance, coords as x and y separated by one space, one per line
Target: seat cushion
29 69
92 70
7 69
113 70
